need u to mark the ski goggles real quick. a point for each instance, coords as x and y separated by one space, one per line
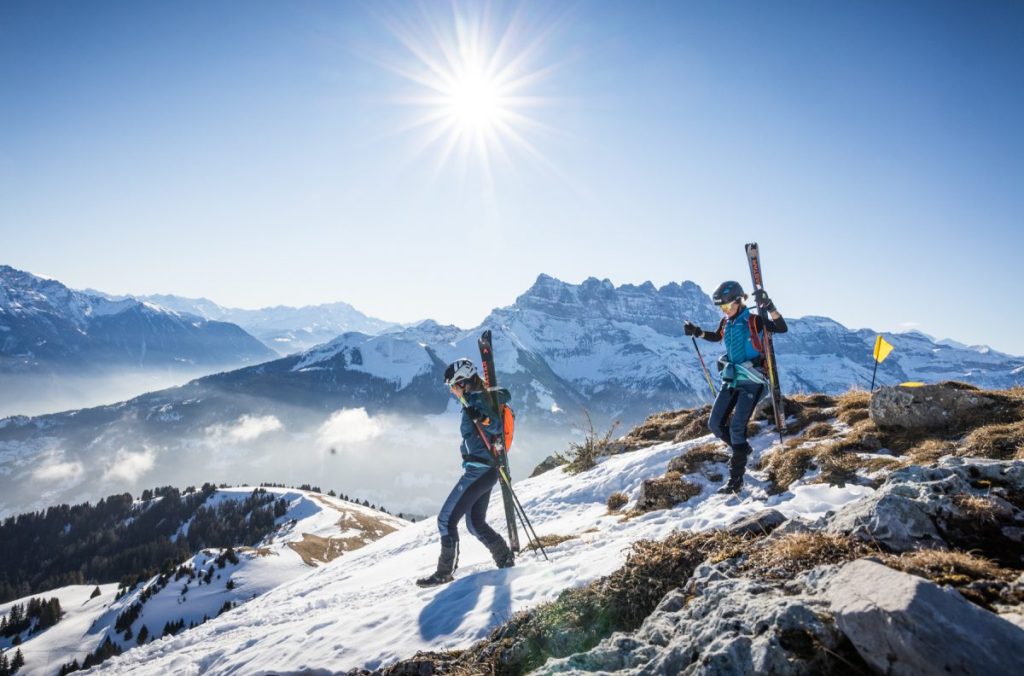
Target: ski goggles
725 307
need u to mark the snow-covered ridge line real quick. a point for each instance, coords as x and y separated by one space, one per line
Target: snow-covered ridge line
312 530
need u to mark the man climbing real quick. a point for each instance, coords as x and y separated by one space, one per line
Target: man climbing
744 379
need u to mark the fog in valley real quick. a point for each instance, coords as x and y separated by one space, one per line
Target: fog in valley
37 394
406 464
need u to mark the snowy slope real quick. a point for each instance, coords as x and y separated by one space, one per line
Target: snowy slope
365 610
315 529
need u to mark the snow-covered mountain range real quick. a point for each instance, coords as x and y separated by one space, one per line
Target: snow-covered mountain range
284 329
45 327
312 530
617 352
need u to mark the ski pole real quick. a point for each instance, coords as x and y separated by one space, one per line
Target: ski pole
707 374
520 512
530 532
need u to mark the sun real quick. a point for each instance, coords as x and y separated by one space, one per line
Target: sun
473 76
475 101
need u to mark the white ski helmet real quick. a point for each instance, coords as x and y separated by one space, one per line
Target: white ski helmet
459 370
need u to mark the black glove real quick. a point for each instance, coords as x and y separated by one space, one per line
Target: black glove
475 414
763 301
691 329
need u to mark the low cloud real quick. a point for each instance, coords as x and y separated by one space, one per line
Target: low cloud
349 426
128 466
415 480
246 428
53 470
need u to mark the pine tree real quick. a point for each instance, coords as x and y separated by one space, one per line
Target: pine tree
17 662
95 592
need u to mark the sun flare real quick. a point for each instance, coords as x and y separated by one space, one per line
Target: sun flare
474 78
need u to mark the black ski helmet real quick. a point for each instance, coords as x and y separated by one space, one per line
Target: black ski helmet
728 292
459 370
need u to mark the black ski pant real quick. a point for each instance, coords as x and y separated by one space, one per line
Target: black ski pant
729 417
469 498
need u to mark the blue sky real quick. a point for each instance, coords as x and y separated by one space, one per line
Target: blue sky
253 153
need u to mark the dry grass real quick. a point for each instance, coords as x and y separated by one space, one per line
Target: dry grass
583 455
678 426
807 409
818 430
694 459
954 568
928 451
786 466
549 541
663 493
853 406
838 466
981 509
316 550
783 557
1003 441
617 501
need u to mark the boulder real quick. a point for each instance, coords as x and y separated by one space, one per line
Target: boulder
892 517
759 523
903 624
944 407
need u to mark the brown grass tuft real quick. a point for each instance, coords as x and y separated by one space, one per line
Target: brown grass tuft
583 455
818 430
948 567
663 493
981 509
784 557
694 459
1003 441
678 426
838 466
617 501
548 541
785 466
929 451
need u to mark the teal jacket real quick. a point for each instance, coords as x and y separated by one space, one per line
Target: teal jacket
744 360
473 448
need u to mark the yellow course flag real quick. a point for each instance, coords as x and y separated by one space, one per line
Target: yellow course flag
882 349
912 383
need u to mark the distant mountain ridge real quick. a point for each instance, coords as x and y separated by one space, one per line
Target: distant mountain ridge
616 352
284 329
45 327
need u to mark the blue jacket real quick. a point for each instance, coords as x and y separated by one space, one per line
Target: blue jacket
473 448
739 344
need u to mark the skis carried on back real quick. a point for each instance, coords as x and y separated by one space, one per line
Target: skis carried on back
507 497
754 259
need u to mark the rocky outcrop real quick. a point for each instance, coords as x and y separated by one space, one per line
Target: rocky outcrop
720 624
902 624
548 464
943 407
972 504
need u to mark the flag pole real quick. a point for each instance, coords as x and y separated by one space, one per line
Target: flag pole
873 372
